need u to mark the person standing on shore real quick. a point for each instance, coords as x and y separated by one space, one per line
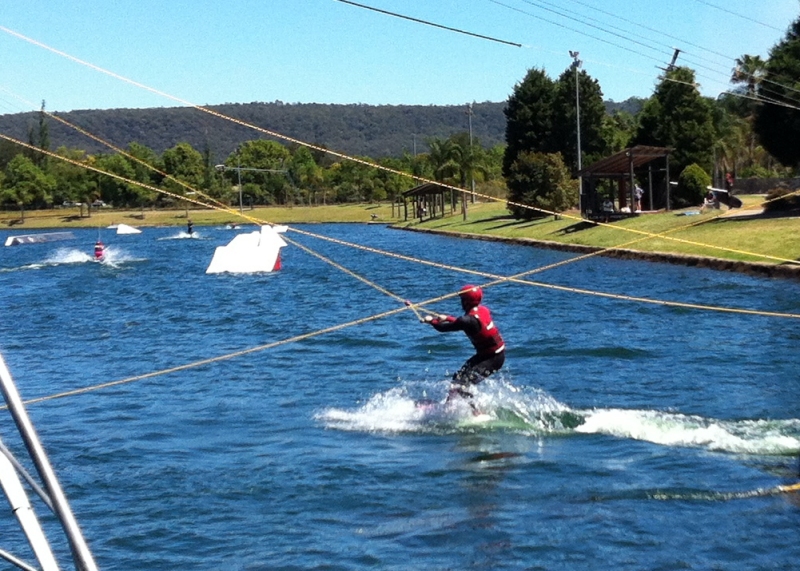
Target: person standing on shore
729 183
638 193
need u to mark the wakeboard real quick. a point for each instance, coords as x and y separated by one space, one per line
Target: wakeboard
430 406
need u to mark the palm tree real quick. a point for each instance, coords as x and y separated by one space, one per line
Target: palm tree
442 158
471 162
749 70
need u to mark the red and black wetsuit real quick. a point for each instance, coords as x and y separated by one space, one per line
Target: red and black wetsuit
489 347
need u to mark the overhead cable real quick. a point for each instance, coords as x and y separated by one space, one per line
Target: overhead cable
749 17
396 15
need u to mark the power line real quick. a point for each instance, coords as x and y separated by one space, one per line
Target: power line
622 34
577 17
749 18
427 23
788 85
316 147
649 29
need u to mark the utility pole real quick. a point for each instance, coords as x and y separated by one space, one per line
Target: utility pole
576 64
674 59
239 169
471 174
239 174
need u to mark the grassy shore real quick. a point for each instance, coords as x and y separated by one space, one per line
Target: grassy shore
731 235
66 218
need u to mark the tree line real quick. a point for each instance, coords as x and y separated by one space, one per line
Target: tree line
257 172
745 133
751 131
362 130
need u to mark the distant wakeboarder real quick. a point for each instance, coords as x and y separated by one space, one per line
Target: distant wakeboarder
99 251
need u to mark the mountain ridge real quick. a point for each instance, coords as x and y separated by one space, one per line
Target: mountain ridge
356 129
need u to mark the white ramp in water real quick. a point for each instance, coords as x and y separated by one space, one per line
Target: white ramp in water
38 238
125 229
250 253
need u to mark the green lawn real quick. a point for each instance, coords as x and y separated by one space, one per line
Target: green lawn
70 217
701 235
707 232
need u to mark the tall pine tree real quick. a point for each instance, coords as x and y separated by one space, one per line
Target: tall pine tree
529 117
777 122
565 121
677 116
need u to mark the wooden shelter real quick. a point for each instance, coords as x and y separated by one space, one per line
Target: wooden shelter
622 168
428 200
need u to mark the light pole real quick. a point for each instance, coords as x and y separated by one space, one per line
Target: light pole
223 168
239 174
576 64
187 203
238 168
471 174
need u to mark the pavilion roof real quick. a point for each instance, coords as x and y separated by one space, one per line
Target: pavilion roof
619 164
424 190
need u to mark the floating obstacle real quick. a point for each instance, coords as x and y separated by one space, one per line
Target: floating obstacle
249 253
125 229
39 238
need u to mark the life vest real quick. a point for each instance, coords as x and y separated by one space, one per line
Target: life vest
488 340
98 251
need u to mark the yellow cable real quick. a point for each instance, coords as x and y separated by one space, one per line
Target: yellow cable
216 359
516 278
499 279
783 489
790 488
362 161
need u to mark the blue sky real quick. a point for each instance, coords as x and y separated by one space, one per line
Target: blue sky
326 51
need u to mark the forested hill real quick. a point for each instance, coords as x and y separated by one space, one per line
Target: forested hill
363 130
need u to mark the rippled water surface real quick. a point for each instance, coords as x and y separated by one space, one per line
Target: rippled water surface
623 435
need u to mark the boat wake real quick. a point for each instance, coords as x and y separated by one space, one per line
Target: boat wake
182 236
113 257
505 407
502 407
64 256
674 429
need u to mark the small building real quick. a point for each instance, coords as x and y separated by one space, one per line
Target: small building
429 200
621 171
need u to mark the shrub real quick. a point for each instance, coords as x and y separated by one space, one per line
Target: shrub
542 181
778 201
693 185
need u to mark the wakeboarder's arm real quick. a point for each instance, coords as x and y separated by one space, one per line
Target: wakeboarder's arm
446 323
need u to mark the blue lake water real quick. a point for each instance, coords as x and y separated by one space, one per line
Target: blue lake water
624 435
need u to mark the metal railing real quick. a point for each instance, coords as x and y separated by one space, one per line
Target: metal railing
50 492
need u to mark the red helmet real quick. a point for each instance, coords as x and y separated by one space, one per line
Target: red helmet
470 296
